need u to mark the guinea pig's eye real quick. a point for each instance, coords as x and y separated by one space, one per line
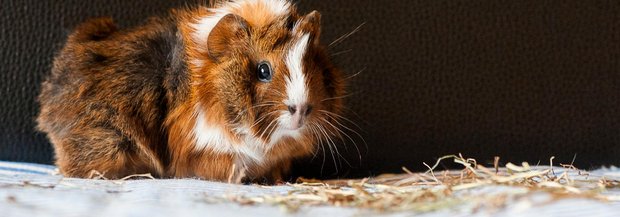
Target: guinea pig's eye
264 72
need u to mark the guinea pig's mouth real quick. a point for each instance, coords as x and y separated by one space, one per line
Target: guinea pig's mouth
290 129
283 131
290 124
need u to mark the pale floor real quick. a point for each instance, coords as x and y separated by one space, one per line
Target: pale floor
47 195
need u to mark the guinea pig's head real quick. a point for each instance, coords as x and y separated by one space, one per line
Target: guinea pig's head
270 75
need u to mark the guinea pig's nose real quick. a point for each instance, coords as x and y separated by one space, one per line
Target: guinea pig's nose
292 109
303 109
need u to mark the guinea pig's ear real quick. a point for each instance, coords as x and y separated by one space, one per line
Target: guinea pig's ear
311 24
231 27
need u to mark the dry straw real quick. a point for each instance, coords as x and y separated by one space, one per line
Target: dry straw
448 189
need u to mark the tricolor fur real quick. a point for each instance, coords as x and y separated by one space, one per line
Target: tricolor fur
210 111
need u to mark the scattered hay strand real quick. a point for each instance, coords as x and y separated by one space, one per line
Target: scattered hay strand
96 175
436 190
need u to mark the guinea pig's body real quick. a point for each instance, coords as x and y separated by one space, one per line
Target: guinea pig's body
241 89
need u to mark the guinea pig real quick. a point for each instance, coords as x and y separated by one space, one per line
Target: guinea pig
237 88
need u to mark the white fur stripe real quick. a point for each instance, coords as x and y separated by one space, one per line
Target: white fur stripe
277 7
210 137
204 25
296 87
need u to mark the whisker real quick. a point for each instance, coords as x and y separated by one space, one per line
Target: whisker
335 147
344 126
356 74
343 142
334 115
349 137
320 141
337 97
268 126
347 35
253 107
329 146
336 134
314 140
341 52
265 103
275 127
262 118
278 94
357 115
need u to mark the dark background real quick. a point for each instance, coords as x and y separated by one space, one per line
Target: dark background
524 80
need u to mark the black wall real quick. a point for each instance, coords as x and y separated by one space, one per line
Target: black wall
525 80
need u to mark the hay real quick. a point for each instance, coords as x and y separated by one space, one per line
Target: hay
437 190
96 175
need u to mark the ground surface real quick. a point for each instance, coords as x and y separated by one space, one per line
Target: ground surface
30 190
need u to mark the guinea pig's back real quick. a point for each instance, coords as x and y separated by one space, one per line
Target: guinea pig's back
112 84
100 68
